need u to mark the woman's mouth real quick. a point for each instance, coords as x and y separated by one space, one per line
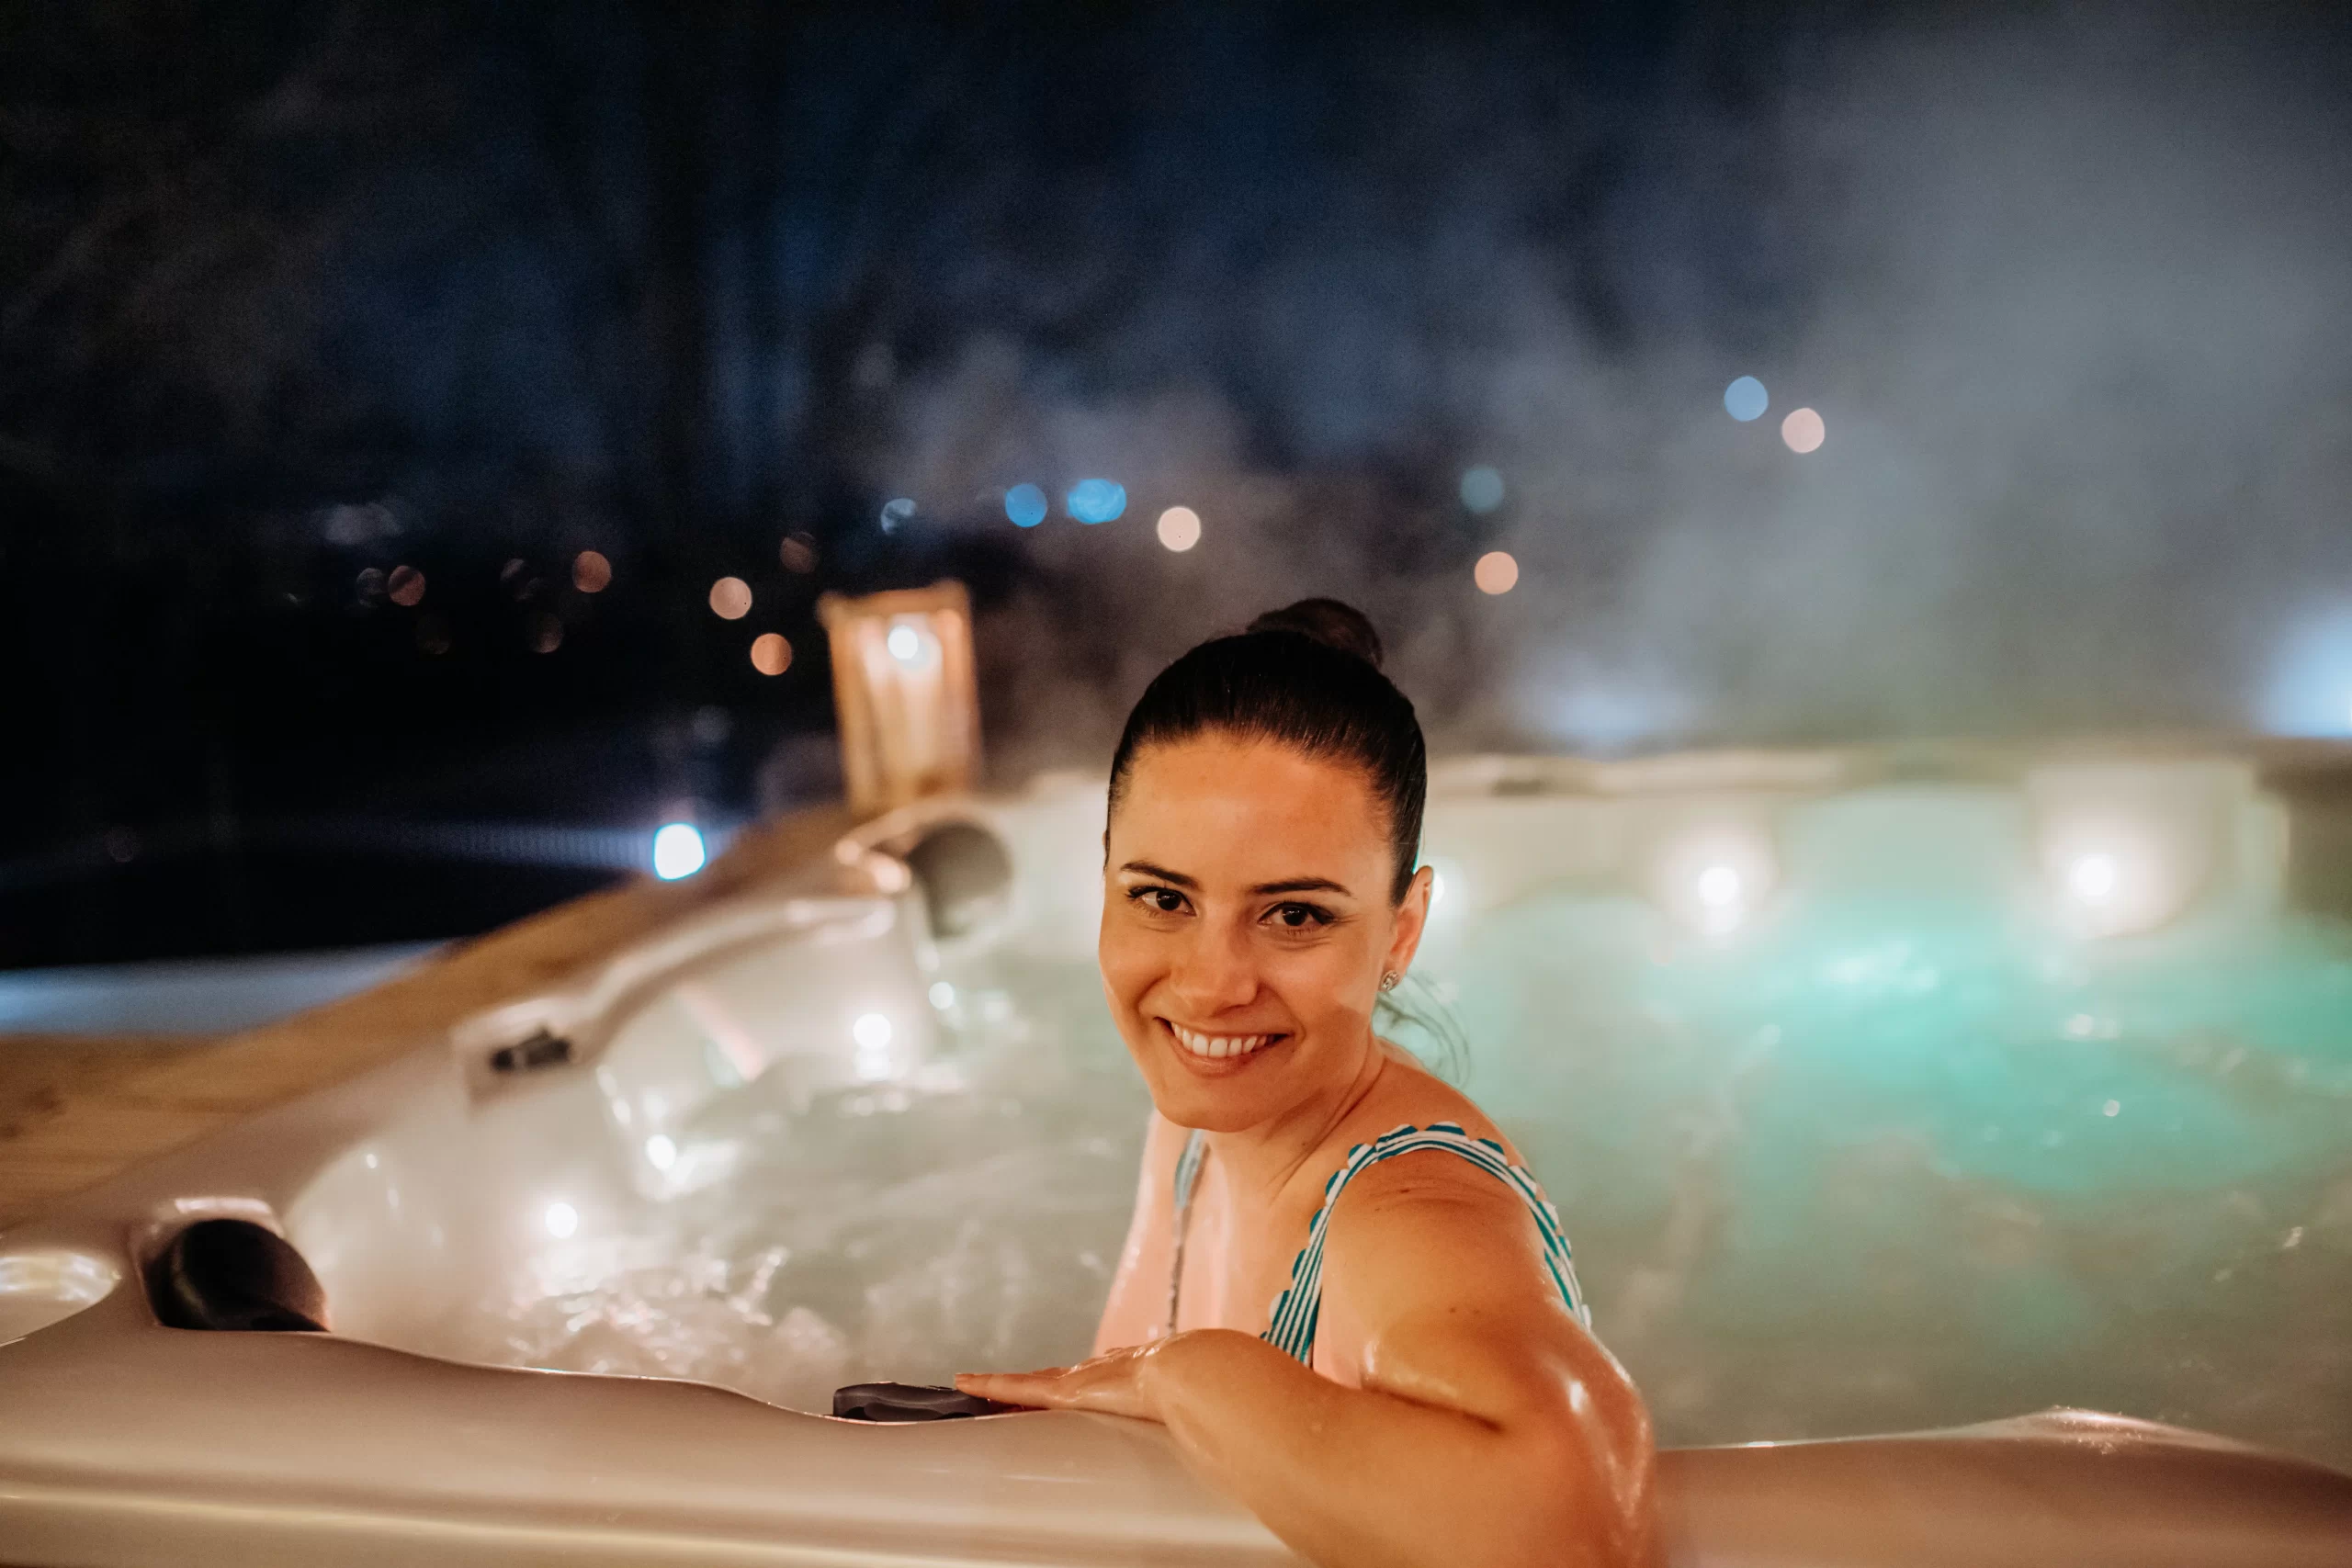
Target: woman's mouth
1219 1047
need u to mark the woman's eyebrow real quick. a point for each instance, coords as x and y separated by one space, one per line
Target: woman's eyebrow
1305 884
1159 872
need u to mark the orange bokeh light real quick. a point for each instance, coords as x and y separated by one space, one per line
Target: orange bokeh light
730 598
406 586
591 572
1495 572
771 655
1803 430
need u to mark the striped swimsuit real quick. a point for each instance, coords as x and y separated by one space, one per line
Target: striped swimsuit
1292 1329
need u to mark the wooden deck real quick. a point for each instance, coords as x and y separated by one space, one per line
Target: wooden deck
75 1112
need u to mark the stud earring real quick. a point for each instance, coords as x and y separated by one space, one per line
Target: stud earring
1388 979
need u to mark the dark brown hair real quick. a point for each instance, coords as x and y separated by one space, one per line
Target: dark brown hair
1306 676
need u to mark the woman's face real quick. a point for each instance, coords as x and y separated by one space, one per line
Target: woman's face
1245 924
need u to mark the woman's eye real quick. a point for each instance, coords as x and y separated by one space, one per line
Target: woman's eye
1165 900
1299 917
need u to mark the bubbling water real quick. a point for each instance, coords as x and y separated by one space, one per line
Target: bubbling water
1873 1167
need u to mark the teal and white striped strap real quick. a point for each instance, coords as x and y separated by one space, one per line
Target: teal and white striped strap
1188 1171
1297 1308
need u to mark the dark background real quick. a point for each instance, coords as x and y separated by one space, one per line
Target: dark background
293 295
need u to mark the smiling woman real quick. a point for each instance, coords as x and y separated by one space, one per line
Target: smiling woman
1341 1290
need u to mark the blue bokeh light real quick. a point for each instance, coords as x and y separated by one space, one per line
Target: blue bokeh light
1746 398
1025 504
2310 690
1482 489
1096 500
895 512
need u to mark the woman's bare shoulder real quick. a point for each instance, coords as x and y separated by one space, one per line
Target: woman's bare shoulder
1410 1095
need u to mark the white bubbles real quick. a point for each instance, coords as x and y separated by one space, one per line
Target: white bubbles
1803 431
660 1152
1482 489
561 1219
1746 400
678 851
1180 528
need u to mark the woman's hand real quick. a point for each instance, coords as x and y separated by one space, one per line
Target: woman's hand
1117 1382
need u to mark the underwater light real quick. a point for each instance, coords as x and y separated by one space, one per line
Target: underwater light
2092 877
678 851
2109 878
1718 886
1714 879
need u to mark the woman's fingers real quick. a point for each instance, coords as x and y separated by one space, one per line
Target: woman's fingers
1013 1388
1108 1383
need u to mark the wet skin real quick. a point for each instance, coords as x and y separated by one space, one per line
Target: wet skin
1456 1411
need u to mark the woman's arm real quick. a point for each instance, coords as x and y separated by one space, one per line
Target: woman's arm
1137 1308
1489 1427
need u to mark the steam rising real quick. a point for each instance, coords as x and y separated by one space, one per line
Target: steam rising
2070 295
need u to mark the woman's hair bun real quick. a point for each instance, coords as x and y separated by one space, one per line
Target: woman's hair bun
1329 622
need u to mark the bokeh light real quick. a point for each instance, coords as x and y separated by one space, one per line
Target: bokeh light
1025 504
1803 431
730 598
1495 572
371 584
1096 500
547 633
799 554
678 851
905 644
406 586
1482 492
771 654
1746 400
561 1219
1180 528
591 572
895 512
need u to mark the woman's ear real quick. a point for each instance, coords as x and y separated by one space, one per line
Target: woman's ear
1412 919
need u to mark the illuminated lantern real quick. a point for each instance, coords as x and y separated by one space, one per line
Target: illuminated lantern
909 711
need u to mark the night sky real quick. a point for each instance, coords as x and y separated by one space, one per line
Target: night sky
333 333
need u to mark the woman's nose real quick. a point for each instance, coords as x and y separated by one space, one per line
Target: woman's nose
1215 972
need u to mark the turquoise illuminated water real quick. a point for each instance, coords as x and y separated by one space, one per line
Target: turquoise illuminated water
1874 1165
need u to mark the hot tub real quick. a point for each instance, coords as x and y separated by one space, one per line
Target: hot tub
1873 1106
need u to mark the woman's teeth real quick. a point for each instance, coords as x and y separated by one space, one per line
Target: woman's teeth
1219 1045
